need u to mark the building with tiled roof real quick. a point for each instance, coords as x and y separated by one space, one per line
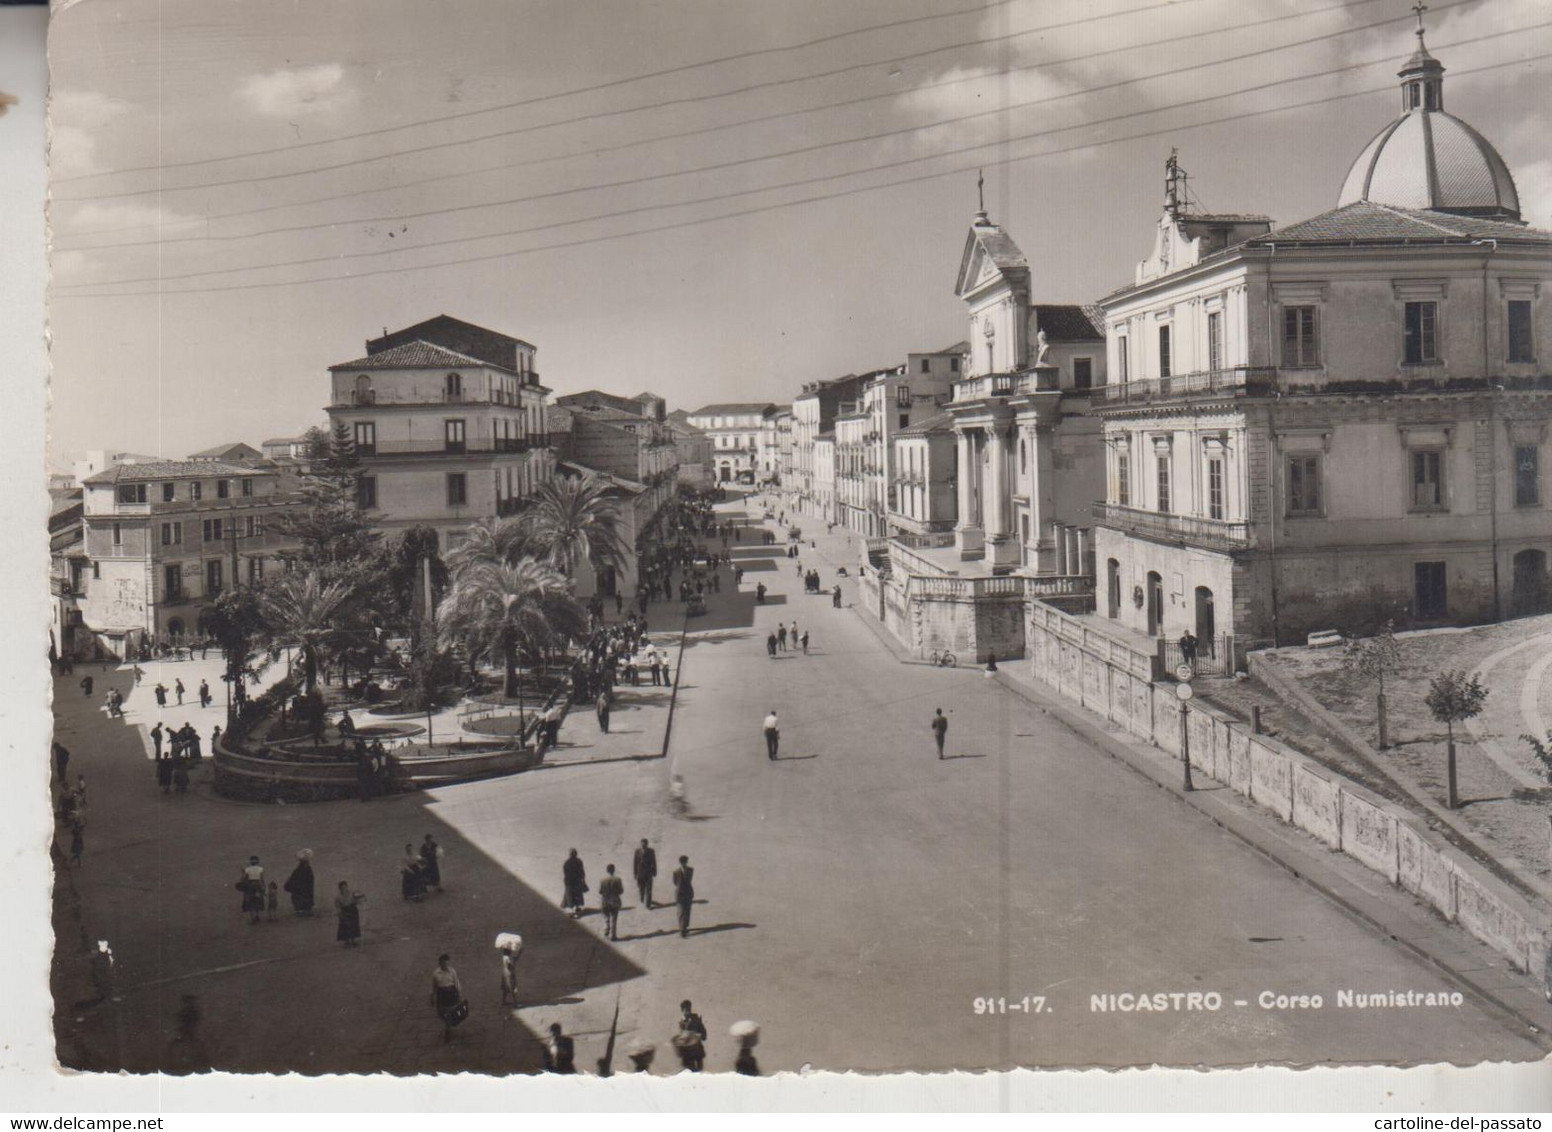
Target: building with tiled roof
232 453
449 420
734 430
1339 422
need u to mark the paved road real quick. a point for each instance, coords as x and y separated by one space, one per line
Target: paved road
858 895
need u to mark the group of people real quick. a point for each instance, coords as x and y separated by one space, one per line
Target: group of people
182 751
420 869
778 640
71 809
611 889
261 897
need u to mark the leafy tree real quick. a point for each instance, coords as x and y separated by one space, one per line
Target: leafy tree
1371 659
236 620
335 536
1453 697
493 541
511 611
572 521
1542 752
302 610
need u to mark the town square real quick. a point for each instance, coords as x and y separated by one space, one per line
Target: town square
525 599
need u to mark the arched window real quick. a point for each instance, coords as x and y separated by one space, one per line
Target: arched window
363 390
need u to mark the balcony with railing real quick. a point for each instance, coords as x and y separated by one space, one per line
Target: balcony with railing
478 445
1036 379
1203 383
1186 530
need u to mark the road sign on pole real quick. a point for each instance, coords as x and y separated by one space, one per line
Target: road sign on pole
1183 673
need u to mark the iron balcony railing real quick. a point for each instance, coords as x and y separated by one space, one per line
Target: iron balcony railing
1201 383
1189 530
478 445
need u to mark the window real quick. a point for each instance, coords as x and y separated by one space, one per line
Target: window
1427 480
1123 364
213 530
903 396
1432 601
366 438
454 387
1527 475
1522 347
453 435
926 365
118 534
1215 340
905 420
255 571
97 571
366 492
1304 485
1300 347
1083 373
172 534
196 490
457 489
953 365
132 493
223 489
1422 333
213 577
247 487
172 582
1164 351
254 526
1215 488
1123 477
1163 466
168 490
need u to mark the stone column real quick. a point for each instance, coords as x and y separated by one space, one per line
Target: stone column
997 503
1085 550
968 536
1074 553
1059 538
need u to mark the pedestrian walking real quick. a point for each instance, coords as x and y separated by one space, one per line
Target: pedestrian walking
770 646
510 947
690 1041
644 869
156 738
560 1052
772 730
215 737
347 910
835 596
939 730
204 694
272 902
411 878
805 642
447 996
139 675
794 632
1188 649
86 685
611 896
574 877
251 885
299 885
781 637
177 687
991 664
684 893
602 708
161 695
431 863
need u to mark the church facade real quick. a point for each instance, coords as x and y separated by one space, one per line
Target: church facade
1339 422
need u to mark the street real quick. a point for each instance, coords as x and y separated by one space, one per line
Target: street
857 897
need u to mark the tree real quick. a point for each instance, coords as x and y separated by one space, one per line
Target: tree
302 610
1542 751
572 521
1453 697
406 575
490 540
1370 660
236 619
514 611
335 536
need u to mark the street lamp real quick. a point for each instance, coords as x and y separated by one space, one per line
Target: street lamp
1183 693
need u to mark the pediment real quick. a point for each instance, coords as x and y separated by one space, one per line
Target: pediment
989 255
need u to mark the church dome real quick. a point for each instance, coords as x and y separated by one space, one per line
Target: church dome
1427 159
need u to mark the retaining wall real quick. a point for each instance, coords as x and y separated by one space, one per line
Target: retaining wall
1113 680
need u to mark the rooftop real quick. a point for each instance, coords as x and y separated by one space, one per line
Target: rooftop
734 408
1070 322
939 422
171 469
415 355
1368 222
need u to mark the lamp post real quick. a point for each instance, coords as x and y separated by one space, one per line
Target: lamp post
1183 693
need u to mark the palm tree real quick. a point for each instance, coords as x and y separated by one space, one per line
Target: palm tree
489 540
300 609
572 521
509 609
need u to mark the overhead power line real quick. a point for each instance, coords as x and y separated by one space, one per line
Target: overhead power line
814 198
161 167
163 241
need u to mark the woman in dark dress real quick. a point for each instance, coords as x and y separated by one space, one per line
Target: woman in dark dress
300 884
574 877
347 905
430 868
412 883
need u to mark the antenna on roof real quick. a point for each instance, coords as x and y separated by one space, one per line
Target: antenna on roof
1174 185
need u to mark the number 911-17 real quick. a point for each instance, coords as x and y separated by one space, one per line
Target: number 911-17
1029 1004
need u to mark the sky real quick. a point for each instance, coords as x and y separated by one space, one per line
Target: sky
715 200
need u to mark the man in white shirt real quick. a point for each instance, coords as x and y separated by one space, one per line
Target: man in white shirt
772 735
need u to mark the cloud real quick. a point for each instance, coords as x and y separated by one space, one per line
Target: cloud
70 219
75 119
298 91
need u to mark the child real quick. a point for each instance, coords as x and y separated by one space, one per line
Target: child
274 901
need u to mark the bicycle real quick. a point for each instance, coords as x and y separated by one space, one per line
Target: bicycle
944 659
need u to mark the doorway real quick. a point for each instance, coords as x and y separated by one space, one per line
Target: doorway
1206 621
1155 604
1529 593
